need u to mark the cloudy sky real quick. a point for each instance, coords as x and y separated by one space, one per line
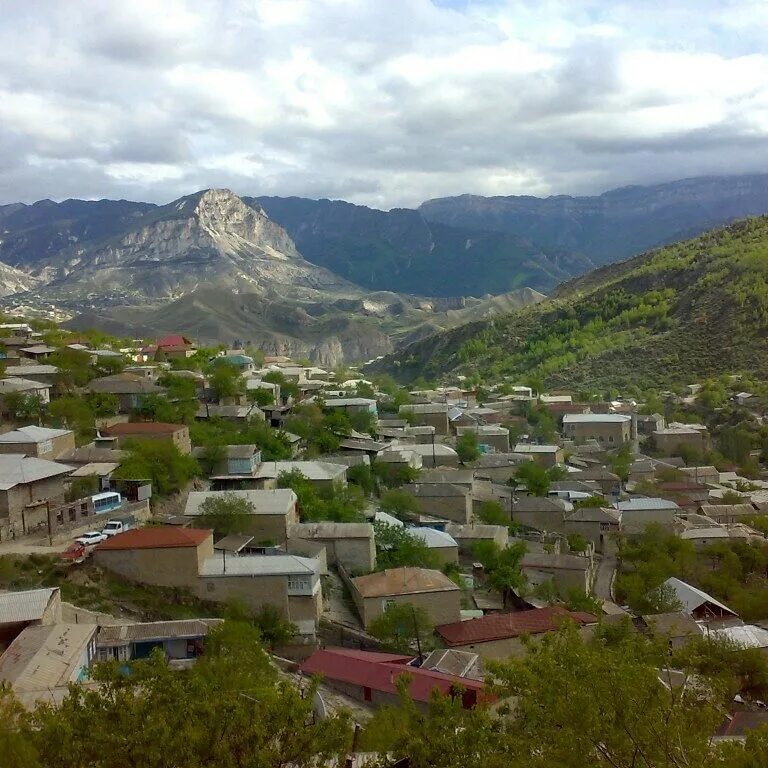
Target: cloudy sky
382 102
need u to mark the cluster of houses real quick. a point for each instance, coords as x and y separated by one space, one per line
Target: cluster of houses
280 560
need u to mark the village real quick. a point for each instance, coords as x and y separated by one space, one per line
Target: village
367 529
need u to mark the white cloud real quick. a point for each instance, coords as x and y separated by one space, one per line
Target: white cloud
384 103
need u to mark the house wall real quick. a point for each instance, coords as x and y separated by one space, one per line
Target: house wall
165 567
591 531
550 520
438 460
634 521
269 527
356 555
564 579
180 438
13 501
442 607
608 433
669 443
446 554
437 420
255 592
455 508
47 449
549 459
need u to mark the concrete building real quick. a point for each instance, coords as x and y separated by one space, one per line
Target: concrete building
609 429
421 587
28 486
38 442
271 515
351 545
16 385
443 500
351 405
178 434
498 636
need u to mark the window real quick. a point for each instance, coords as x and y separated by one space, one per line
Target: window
72 514
45 447
610 438
298 584
387 603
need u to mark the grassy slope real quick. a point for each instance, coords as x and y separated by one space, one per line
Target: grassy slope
686 311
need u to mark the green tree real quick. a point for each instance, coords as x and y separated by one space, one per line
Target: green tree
81 487
72 412
159 461
225 381
399 503
103 404
492 513
397 548
401 625
467 447
534 477
261 397
226 514
502 566
577 543
24 407
622 462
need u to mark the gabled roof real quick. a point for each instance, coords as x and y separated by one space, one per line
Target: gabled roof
121 634
403 581
433 538
594 515
431 490
17 384
176 340
26 605
501 626
33 434
379 672
156 538
279 501
17 469
692 597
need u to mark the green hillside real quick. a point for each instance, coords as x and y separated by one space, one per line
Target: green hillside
687 311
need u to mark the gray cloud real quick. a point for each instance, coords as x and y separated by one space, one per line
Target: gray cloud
383 103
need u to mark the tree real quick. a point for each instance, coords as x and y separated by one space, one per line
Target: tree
401 625
24 407
81 487
159 461
273 627
534 477
502 566
225 381
399 503
226 513
577 543
103 403
261 397
397 548
74 369
467 447
229 710
492 513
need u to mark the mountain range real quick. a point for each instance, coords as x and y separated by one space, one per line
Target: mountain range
687 311
329 279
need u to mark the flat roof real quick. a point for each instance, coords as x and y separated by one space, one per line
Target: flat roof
596 418
163 537
272 502
259 565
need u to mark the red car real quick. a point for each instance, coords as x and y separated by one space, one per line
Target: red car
75 553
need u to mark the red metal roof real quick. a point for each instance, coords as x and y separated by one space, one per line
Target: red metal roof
157 538
142 428
174 341
500 626
380 671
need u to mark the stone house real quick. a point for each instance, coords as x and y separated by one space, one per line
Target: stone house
185 557
494 437
178 434
669 441
466 536
28 487
28 387
351 545
428 414
547 455
440 542
421 587
443 500
38 442
274 512
130 389
567 571
609 429
596 525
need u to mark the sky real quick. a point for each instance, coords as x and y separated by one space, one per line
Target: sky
380 102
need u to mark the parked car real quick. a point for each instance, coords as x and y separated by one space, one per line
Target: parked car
119 525
75 553
91 538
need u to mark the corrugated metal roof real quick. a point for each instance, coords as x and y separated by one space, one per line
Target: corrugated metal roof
499 626
27 605
259 565
691 597
43 657
279 501
17 469
121 634
433 538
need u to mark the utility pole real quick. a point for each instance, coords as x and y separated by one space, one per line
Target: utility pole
416 630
